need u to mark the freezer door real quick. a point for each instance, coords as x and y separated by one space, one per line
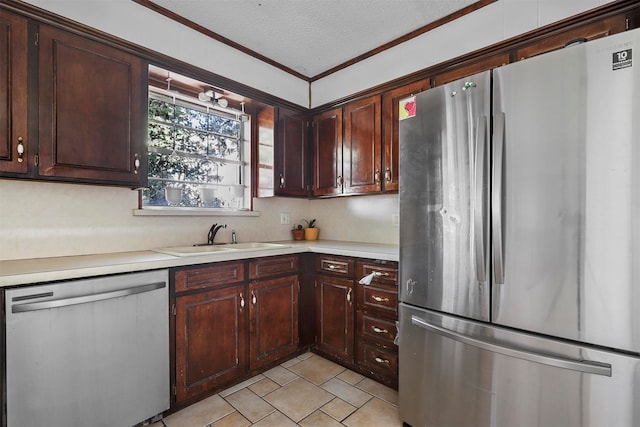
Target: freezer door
443 198
455 372
566 193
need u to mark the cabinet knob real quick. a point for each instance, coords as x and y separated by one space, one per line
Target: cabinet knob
20 150
136 164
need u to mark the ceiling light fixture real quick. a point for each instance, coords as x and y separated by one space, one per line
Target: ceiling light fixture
214 97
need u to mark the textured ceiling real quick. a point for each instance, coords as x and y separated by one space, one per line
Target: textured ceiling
312 36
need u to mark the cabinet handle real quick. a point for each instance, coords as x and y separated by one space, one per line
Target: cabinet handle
340 181
383 361
136 164
387 175
253 298
379 330
20 150
380 299
376 176
380 274
241 301
331 267
349 296
281 181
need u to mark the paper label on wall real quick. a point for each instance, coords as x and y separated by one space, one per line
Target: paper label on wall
622 59
407 108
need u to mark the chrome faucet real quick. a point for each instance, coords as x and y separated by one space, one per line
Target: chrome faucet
213 231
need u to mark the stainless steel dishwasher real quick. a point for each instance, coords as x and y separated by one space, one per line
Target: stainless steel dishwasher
91 352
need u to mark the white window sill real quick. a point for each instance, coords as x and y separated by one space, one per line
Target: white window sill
177 211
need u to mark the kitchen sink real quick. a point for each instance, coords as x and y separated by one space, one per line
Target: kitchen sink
212 249
256 245
194 250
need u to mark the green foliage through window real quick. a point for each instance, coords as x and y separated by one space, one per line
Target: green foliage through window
196 149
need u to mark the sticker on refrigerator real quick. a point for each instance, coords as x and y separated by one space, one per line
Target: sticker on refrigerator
407 108
622 59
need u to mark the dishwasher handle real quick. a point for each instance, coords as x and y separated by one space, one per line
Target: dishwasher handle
83 299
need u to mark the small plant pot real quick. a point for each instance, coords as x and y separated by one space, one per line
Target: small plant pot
298 234
311 233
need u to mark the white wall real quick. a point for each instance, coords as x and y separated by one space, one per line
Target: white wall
491 24
41 219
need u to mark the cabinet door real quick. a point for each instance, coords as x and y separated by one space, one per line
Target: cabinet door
93 111
362 146
291 154
273 313
210 340
391 118
334 317
327 151
13 93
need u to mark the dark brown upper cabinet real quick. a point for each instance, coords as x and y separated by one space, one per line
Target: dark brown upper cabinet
291 153
328 177
391 136
362 161
349 162
14 140
92 109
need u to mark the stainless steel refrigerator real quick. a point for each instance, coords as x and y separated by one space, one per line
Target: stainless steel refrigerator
520 243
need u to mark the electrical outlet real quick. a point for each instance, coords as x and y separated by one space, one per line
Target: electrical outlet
395 220
285 218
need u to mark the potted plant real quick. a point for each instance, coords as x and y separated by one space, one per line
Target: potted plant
298 232
311 231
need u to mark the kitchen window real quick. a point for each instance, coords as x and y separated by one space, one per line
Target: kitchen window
197 152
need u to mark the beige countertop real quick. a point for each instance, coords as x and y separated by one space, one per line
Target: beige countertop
38 270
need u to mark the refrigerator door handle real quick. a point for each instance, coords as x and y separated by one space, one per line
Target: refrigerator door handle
481 141
587 367
496 197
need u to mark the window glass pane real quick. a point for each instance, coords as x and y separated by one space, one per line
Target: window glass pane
197 150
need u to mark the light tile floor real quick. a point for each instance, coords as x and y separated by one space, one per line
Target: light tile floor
307 390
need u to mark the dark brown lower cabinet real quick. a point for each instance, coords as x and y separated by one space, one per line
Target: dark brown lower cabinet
334 317
273 314
211 339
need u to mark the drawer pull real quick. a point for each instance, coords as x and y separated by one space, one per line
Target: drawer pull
380 274
349 296
241 301
379 330
382 361
379 299
331 267
20 150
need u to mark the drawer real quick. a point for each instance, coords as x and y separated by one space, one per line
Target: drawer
273 266
223 273
335 265
373 327
385 272
377 299
378 359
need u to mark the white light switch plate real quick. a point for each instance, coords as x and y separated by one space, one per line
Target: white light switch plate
285 218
